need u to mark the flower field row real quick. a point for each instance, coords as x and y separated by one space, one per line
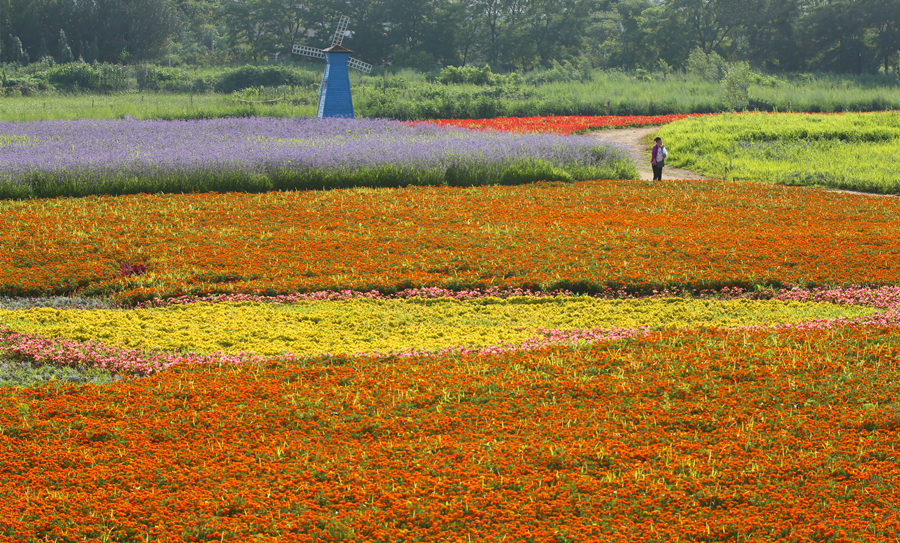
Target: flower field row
191 331
73 158
585 237
392 325
680 435
570 124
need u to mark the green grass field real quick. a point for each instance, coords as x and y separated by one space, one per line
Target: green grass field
409 95
143 106
850 151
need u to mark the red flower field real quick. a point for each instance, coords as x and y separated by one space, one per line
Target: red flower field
562 124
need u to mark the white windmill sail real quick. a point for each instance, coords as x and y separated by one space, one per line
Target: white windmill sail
357 64
340 30
308 51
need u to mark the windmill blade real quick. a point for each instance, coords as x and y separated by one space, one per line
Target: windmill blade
364 67
308 51
341 30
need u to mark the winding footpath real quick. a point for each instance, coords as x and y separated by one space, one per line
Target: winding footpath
635 142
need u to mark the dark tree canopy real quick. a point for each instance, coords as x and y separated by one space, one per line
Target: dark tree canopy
848 36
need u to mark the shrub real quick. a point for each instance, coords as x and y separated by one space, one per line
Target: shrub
152 77
710 66
471 75
262 76
76 76
736 85
560 72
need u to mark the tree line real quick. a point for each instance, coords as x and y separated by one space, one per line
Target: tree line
841 36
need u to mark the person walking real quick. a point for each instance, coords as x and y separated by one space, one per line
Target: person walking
658 158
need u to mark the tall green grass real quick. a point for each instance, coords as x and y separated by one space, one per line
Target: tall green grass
144 106
855 151
409 95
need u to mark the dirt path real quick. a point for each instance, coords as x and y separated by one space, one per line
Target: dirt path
635 141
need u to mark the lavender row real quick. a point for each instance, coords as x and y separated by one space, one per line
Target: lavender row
76 157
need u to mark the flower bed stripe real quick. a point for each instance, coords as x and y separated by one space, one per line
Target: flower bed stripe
140 361
567 124
583 237
81 157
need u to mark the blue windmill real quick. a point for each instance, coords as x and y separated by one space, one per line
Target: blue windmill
335 99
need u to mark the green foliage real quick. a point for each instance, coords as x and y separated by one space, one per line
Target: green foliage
17 51
81 76
710 67
476 75
851 151
561 90
561 72
158 78
73 77
17 373
64 52
736 85
658 36
261 76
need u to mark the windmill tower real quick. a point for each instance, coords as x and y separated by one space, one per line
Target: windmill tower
335 99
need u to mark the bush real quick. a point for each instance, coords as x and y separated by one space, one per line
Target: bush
21 84
74 76
158 78
710 67
475 75
560 72
77 76
262 76
736 85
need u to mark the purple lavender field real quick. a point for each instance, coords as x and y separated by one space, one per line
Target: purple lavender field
80 157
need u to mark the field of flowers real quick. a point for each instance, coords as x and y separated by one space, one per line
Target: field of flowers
567 124
143 341
602 360
81 157
848 151
697 435
586 237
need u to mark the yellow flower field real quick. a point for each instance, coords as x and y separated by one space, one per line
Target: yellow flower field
389 325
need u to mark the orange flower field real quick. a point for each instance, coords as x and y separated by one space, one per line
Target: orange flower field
702 425
706 435
584 236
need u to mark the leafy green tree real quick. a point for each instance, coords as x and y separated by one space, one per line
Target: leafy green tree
837 37
63 51
634 45
883 22
736 85
18 53
772 36
256 28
